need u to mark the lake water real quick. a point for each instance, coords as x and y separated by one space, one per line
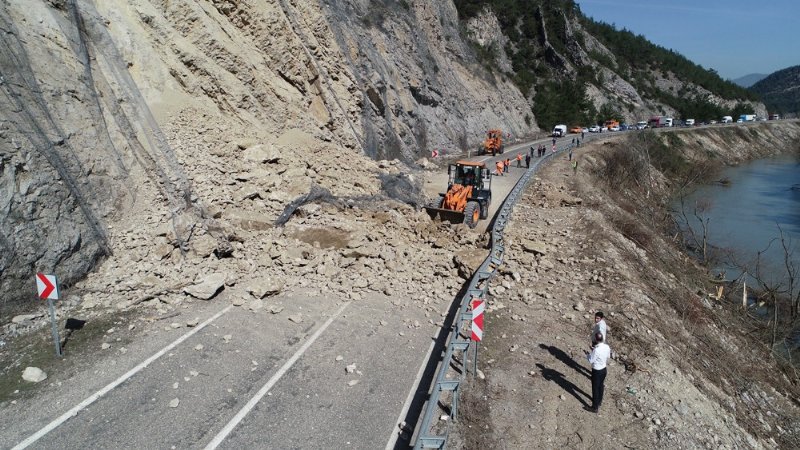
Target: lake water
744 215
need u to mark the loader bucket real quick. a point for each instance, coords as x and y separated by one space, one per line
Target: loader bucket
445 215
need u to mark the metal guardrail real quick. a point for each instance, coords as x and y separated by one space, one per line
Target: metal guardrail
458 339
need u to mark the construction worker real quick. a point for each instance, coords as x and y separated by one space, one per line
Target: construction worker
519 160
508 164
499 167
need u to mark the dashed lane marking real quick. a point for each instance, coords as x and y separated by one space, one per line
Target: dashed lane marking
94 397
278 375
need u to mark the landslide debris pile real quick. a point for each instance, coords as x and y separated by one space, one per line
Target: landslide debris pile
174 115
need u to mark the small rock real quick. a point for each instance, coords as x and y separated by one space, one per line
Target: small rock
350 368
352 383
34 374
105 346
227 338
481 375
339 357
174 403
562 397
198 347
275 309
579 307
296 318
193 323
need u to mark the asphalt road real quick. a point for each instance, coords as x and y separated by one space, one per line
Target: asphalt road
307 397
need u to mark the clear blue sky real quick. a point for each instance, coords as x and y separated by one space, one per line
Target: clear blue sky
733 37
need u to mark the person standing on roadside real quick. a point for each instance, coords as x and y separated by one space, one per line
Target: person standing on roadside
508 165
527 161
575 166
519 160
600 326
531 152
582 135
499 168
598 358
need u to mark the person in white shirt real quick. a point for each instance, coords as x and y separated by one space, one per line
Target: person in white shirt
598 358
599 326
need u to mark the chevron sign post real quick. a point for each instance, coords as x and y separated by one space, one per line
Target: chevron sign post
47 288
478 306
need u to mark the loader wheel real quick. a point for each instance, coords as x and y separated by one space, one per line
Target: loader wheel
485 210
472 213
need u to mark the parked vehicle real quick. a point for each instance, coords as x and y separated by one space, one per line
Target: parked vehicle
641 125
611 123
727 119
576 130
747 117
774 117
660 122
689 122
559 130
594 129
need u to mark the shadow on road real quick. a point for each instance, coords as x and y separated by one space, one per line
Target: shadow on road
566 359
558 377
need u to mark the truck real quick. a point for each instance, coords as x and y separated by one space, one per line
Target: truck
748 117
468 196
559 131
660 122
611 123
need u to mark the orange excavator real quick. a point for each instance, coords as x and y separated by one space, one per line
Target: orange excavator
468 195
493 143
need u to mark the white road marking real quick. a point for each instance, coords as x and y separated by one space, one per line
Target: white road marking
278 375
94 397
395 432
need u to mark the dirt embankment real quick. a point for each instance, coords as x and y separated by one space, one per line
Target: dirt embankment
685 373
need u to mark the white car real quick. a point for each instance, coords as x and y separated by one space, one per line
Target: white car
613 129
584 130
594 129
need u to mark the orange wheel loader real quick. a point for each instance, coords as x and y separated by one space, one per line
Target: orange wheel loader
493 143
468 195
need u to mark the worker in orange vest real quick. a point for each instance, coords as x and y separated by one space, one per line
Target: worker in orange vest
499 167
519 160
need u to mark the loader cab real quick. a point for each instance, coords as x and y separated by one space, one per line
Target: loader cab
468 173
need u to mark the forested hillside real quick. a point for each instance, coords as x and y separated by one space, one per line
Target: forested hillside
781 91
559 56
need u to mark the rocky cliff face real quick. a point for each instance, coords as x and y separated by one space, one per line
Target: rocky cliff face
183 120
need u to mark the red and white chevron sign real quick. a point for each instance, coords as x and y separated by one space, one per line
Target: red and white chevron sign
47 286
477 318
435 154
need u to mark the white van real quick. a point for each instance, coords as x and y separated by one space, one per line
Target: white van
559 130
668 121
727 119
689 122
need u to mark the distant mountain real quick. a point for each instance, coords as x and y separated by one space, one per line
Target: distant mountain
781 91
749 80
